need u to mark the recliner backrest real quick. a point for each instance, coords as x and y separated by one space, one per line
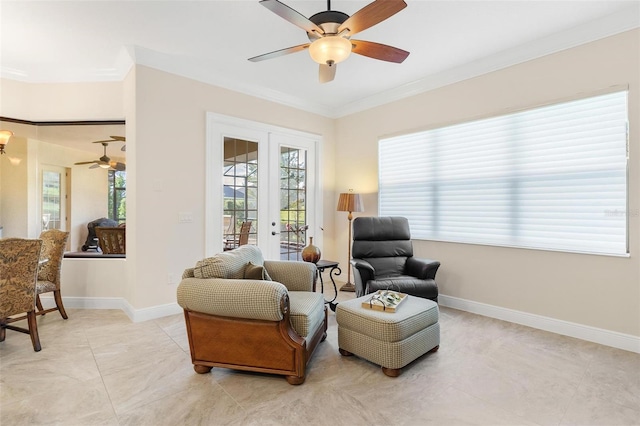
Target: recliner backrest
385 242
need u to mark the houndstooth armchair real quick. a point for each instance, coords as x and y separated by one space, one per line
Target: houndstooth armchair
248 314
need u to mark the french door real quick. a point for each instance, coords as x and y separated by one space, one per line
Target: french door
264 178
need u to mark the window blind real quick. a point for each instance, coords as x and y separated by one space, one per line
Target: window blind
553 177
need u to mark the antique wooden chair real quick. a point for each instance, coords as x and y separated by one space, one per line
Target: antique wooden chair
19 259
242 238
112 240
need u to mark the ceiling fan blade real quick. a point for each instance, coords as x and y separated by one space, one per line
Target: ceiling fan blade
371 14
113 139
95 166
116 165
291 15
124 148
327 73
280 52
85 162
379 51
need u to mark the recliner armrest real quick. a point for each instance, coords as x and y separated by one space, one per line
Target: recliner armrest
422 268
251 299
362 265
363 271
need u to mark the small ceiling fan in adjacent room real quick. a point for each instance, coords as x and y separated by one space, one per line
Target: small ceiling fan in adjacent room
104 161
330 32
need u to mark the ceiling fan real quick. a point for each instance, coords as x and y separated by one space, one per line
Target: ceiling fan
104 161
330 34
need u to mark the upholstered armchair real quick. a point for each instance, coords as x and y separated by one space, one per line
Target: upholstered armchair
19 259
383 259
248 314
53 245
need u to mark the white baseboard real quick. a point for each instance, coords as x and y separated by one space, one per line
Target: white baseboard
566 328
136 315
153 312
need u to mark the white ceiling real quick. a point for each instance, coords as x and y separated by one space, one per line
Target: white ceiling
66 41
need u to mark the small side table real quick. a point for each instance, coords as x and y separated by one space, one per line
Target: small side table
334 270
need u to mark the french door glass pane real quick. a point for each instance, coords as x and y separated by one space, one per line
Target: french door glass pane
240 192
293 188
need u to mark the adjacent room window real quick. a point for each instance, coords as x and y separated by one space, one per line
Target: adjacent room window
52 206
552 178
118 195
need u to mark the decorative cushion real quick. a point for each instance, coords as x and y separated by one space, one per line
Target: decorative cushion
256 272
229 264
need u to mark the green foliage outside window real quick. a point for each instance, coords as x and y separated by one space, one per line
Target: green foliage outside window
117 196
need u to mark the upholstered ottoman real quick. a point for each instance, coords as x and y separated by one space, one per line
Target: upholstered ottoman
389 339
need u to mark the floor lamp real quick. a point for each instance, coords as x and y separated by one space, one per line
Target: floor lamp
349 202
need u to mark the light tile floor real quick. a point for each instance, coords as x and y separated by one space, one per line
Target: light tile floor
99 368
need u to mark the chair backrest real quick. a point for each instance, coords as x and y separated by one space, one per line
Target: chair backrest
385 242
112 240
53 243
18 274
243 238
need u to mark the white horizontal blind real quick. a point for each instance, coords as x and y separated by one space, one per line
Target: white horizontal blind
552 178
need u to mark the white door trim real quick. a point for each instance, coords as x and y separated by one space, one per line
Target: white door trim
217 124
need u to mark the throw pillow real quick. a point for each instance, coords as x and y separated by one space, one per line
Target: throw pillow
256 272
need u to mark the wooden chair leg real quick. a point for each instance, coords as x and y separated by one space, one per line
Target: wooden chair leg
33 330
39 303
58 298
3 333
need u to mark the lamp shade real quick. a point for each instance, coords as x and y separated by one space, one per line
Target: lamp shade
350 202
5 135
330 49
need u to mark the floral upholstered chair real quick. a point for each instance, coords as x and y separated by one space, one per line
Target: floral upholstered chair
53 245
19 260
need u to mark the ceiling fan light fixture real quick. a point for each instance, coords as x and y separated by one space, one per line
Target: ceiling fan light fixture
330 49
104 166
5 135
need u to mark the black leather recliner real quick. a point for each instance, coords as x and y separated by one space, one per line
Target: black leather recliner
383 259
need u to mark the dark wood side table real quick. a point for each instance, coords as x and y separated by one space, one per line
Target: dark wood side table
334 270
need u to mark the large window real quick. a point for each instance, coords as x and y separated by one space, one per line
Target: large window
551 178
118 195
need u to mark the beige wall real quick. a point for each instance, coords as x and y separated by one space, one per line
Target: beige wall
13 189
61 101
169 176
598 291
